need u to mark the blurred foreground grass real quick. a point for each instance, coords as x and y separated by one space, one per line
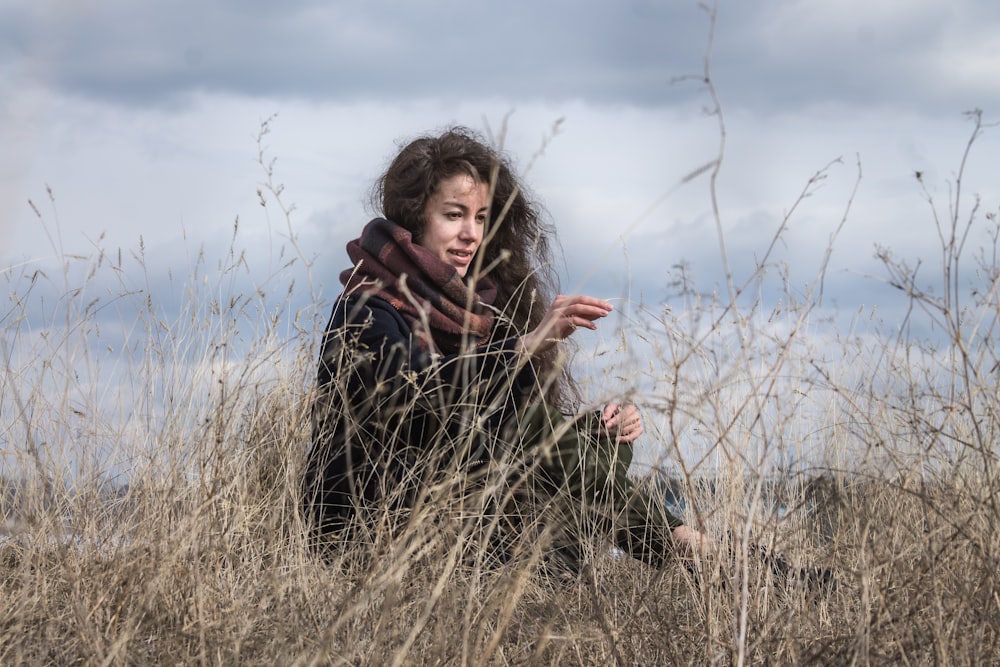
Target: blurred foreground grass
152 464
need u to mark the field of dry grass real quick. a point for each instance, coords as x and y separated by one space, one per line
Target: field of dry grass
150 501
213 568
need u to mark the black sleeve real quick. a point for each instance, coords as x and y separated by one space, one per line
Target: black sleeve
368 339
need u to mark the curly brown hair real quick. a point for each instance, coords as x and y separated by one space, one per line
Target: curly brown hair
517 242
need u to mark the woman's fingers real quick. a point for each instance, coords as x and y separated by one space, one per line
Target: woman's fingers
579 311
629 432
564 316
621 413
588 307
623 421
630 435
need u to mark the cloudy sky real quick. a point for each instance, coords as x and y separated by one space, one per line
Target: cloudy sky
142 118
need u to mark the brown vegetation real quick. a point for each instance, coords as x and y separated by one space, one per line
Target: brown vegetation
202 558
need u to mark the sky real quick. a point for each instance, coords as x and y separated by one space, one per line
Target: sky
142 120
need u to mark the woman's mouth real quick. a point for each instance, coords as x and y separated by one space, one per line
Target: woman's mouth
461 256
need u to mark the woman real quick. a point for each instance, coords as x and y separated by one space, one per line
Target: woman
442 358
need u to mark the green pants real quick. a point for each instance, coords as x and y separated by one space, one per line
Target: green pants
581 474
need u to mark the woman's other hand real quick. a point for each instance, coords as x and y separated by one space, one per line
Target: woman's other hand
623 421
564 316
695 542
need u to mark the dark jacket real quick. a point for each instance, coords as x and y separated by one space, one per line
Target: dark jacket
389 412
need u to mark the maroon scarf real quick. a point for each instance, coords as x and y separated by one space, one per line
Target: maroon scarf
385 258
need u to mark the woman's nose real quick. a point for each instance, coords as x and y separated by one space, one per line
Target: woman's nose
469 229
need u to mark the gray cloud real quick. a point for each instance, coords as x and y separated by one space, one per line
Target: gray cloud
150 96
148 54
893 54
770 55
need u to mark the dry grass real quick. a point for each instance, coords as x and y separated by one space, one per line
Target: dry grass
150 494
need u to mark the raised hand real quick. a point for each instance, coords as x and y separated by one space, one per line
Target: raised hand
564 316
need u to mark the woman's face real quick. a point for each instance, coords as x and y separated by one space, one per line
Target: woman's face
454 219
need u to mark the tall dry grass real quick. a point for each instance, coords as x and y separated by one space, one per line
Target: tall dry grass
152 463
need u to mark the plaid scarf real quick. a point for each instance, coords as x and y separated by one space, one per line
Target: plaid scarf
389 265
